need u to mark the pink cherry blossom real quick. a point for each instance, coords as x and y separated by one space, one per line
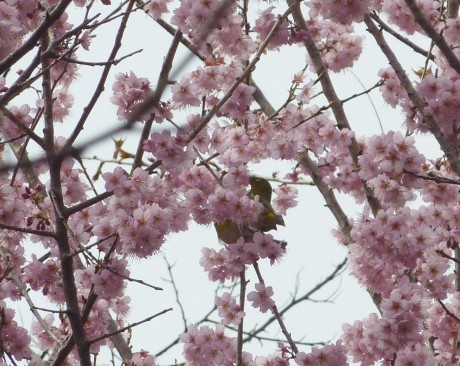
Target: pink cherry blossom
228 310
128 90
75 244
142 358
261 298
206 346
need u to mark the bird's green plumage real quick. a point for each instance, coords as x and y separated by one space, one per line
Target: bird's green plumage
229 231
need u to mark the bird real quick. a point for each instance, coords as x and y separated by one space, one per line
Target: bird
229 231
268 219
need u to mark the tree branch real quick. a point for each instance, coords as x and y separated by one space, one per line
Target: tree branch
332 97
449 149
438 40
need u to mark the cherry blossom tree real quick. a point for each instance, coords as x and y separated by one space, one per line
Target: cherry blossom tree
70 235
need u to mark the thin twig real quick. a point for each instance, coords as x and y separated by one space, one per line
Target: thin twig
204 162
121 330
101 63
451 314
298 300
277 315
401 38
176 341
130 279
270 339
100 86
445 255
54 311
154 99
329 196
49 234
176 291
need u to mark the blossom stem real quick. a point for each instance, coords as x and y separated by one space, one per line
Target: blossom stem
239 347
277 314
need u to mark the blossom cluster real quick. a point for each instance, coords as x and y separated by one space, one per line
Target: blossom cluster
331 354
346 11
228 262
227 37
128 90
401 248
229 311
206 346
398 330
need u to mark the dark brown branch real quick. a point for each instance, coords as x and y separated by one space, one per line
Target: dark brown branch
171 30
332 97
438 39
449 149
49 234
445 255
239 338
258 95
20 151
61 228
64 351
23 81
162 80
88 203
451 314
25 164
154 99
329 196
441 180
29 132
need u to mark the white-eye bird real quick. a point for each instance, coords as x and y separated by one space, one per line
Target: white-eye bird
229 231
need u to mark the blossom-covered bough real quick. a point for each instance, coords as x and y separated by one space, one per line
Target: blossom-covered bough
70 239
